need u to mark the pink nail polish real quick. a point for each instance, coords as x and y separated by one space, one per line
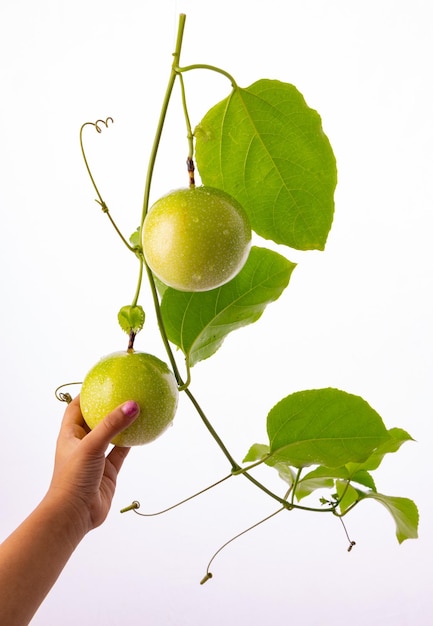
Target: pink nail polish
130 408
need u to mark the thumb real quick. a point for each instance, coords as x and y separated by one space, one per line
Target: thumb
114 423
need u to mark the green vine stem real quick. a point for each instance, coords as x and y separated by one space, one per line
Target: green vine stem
163 333
217 438
176 71
163 114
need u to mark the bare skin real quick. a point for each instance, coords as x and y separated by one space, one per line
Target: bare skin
77 501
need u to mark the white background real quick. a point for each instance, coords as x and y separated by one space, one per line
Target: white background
357 317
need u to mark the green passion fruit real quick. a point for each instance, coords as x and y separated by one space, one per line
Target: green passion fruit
131 375
196 239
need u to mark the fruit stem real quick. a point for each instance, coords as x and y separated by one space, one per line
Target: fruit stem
190 168
131 340
189 134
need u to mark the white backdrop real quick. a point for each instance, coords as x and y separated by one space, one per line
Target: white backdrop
357 316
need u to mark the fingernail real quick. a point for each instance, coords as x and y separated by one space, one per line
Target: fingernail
130 408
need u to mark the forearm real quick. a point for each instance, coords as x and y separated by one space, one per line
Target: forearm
32 558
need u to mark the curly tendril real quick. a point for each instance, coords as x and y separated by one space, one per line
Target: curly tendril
65 397
103 122
98 126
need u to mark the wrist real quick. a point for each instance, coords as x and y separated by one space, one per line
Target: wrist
66 517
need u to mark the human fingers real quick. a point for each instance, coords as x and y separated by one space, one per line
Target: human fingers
116 457
114 423
73 422
72 413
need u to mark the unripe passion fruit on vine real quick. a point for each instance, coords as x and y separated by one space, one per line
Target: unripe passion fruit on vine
196 239
131 375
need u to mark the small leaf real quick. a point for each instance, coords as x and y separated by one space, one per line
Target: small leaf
404 512
135 238
260 451
131 318
348 494
325 477
318 478
324 427
362 477
266 147
285 472
308 485
257 452
199 322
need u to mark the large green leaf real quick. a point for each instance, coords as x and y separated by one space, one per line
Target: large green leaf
267 148
404 512
199 322
324 427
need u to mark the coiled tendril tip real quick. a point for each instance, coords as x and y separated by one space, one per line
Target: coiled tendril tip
62 396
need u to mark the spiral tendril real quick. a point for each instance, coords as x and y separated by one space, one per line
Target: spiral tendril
65 397
98 124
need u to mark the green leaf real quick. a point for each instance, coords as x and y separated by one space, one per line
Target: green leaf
285 472
348 494
308 485
324 427
362 477
135 238
266 147
257 452
397 436
325 476
404 512
260 451
199 322
131 318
